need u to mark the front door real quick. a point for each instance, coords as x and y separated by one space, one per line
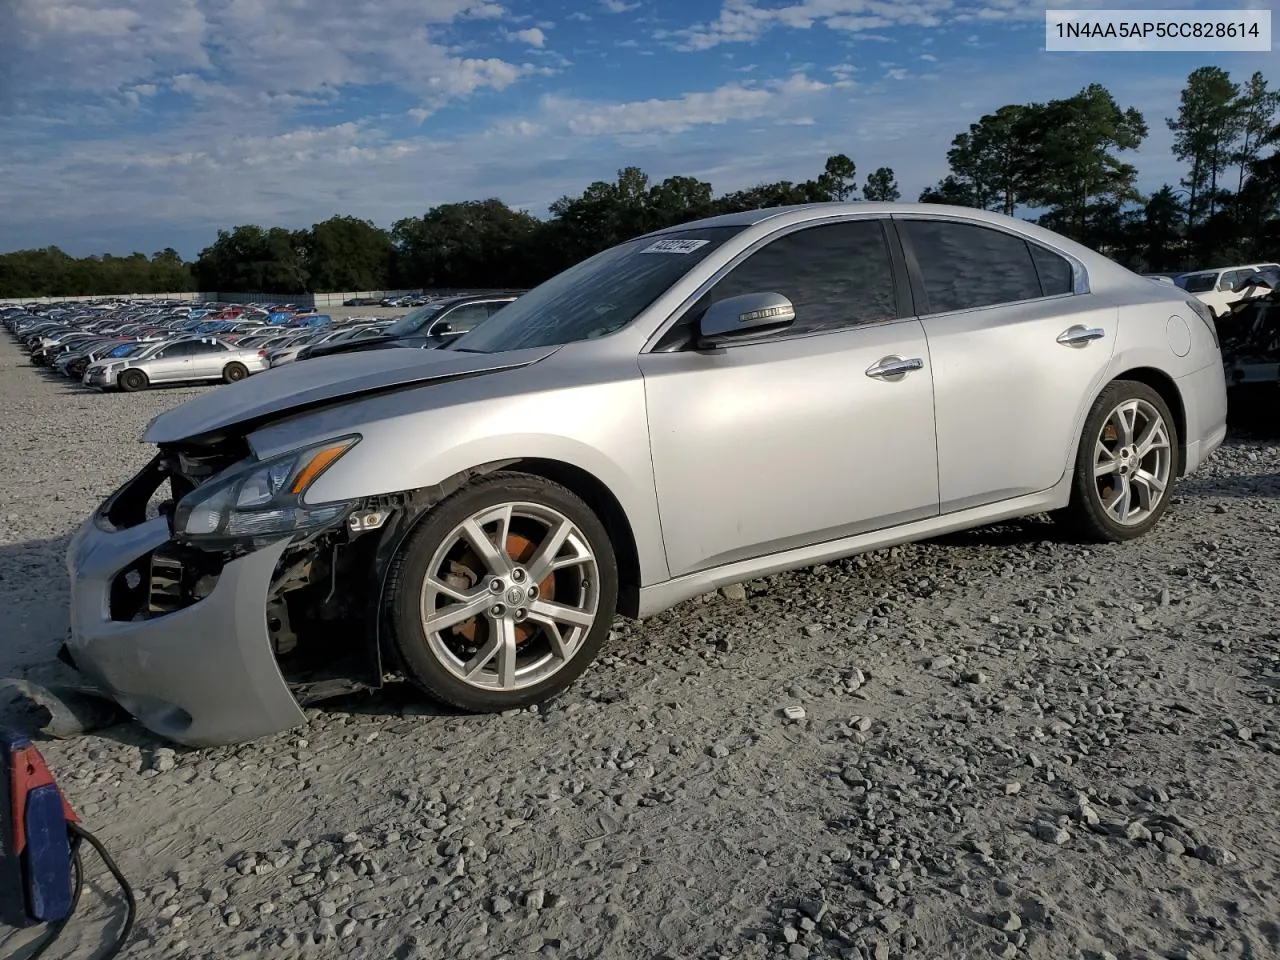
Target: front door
803 435
1015 352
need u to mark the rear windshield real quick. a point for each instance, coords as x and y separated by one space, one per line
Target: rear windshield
1199 282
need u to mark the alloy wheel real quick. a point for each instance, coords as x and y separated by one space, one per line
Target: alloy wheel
510 596
1133 462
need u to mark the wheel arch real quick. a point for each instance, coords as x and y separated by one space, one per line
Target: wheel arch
1163 384
597 495
414 505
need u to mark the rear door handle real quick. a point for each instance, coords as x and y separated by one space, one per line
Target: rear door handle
1079 336
894 368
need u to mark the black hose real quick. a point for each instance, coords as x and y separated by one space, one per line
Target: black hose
131 905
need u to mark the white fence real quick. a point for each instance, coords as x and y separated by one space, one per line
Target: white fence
188 297
318 300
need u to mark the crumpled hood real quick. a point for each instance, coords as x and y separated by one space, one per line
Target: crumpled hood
308 383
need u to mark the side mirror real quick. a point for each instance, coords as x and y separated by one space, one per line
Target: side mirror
750 313
442 330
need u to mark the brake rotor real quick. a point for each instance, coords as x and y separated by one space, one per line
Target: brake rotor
468 570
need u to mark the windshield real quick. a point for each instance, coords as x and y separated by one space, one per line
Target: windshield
413 321
1199 282
598 296
126 350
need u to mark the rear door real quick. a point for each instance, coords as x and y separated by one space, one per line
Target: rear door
207 360
1017 347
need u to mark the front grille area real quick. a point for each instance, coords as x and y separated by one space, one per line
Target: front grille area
168 578
127 599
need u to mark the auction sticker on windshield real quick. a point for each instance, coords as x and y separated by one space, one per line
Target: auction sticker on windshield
675 246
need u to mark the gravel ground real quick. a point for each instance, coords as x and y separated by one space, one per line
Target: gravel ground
1009 746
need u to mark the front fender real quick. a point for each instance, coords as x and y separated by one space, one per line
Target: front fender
406 444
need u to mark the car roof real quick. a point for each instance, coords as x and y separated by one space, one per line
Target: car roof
1100 267
804 211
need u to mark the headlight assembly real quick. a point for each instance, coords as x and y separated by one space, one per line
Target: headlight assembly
263 497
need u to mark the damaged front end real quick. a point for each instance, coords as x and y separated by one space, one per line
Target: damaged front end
212 602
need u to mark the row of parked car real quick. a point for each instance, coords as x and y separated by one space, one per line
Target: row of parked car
130 347
395 300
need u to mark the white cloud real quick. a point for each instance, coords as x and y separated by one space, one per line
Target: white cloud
744 21
533 36
618 6
251 52
725 104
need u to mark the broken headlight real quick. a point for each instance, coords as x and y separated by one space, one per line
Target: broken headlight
263 497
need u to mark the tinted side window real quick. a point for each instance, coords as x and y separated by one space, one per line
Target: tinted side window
837 275
1055 271
177 351
465 317
964 266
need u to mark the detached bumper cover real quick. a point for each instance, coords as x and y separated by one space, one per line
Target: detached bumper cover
203 675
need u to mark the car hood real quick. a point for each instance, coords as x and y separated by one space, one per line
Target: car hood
325 380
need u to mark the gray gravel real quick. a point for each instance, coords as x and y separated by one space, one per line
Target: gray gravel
1004 745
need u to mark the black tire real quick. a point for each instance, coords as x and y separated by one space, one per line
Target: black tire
131 381
1086 516
407 635
233 372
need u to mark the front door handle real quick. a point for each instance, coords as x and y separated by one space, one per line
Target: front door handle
1079 336
894 368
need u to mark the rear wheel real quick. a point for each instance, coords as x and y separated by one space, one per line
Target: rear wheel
234 371
131 381
1126 465
503 594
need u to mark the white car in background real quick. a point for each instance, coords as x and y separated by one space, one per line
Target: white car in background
1221 287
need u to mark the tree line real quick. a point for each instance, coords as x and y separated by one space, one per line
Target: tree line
1064 159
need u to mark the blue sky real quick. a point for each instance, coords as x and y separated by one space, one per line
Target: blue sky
136 124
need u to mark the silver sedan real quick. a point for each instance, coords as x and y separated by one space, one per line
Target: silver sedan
179 360
704 405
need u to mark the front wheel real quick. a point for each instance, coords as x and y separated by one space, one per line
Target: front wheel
131 381
503 594
1126 465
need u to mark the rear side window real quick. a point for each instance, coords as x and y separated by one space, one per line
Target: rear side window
1055 271
964 266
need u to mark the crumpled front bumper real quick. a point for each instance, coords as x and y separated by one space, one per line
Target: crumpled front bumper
203 675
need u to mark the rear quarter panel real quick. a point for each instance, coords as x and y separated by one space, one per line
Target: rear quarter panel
1151 335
